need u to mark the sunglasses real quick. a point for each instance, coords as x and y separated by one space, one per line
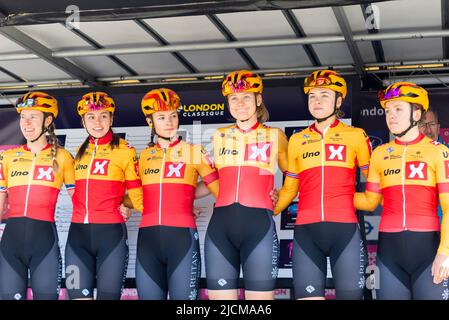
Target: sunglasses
27 103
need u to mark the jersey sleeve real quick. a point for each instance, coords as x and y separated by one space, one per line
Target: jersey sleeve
68 167
291 184
364 150
372 197
132 180
3 173
282 151
207 170
442 173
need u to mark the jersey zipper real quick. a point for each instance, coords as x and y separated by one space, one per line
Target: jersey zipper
29 186
403 188
86 218
160 186
238 174
323 157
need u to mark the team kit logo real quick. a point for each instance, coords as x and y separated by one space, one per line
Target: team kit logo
259 152
174 170
100 167
416 170
44 173
335 152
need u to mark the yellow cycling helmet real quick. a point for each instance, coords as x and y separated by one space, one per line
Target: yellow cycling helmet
326 79
404 91
95 101
161 99
241 81
38 101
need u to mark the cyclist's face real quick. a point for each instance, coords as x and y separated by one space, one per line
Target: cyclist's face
243 105
429 125
398 116
31 123
97 123
165 123
321 102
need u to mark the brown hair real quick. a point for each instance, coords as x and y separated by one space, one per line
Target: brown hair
262 113
340 113
415 107
53 141
152 133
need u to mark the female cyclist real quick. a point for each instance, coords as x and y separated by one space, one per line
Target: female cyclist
32 175
241 232
409 173
322 163
105 166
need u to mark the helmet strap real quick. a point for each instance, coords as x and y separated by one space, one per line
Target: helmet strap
413 123
319 120
43 128
159 136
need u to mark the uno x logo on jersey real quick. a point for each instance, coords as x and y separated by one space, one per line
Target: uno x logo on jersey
416 170
174 170
100 167
258 152
335 152
45 173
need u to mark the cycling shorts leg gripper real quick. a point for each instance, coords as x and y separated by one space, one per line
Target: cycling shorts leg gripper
151 268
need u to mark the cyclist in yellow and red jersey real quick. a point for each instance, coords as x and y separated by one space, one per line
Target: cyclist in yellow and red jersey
105 166
241 231
32 176
409 173
322 164
168 256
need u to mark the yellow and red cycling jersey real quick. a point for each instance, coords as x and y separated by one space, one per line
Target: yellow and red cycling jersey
409 176
247 161
169 179
32 184
322 166
101 178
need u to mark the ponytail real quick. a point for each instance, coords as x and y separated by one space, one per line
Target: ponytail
53 141
152 133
